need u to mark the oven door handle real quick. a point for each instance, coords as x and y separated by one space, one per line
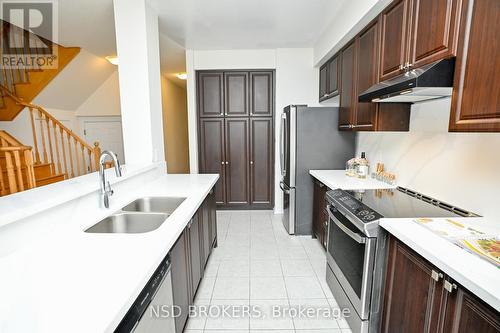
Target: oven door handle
359 239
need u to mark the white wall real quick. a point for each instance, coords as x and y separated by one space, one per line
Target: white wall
105 101
140 86
76 82
350 20
296 83
460 168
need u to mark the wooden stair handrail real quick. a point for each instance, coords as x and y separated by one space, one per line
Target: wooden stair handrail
16 172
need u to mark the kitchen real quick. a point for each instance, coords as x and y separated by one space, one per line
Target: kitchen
256 250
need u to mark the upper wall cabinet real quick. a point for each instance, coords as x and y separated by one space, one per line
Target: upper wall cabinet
415 33
329 79
236 94
475 103
394 43
261 94
434 31
210 94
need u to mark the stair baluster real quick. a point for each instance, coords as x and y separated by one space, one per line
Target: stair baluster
42 135
51 151
70 156
77 159
64 153
56 143
35 140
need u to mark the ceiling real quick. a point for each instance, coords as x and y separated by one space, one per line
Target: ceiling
201 24
245 24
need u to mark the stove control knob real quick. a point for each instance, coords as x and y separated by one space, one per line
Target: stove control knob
364 213
369 217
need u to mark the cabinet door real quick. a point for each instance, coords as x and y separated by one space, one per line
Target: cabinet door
434 30
205 226
348 87
333 77
212 158
180 281
367 75
236 94
394 44
194 252
237 161
475 105
212 212
465 313
411 297
261 94
261 162
319 206
323 79
210 94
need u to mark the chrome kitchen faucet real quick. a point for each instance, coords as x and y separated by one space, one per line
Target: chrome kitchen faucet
106 190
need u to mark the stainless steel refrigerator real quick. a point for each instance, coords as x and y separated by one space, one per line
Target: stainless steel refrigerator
309 140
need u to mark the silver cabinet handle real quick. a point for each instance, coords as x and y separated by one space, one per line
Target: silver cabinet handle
436 276
346 126
361 126
227 162
251 162
449 287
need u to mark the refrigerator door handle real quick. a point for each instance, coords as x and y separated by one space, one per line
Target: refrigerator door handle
282 186
282 144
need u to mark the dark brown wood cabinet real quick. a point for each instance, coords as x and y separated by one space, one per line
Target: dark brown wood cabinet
261 161
411 295
416 33
189 257
475 105
237 161
195 258
394 21
240 144
236 94
180 280
261 94
465 313
367 49
419 298
320 217
434 30
347 74
329 79
210 92
212 157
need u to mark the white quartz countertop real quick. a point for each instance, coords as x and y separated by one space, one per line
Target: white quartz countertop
474 273
469 270
334 179
72 281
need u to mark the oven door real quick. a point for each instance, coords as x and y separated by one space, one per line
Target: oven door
351 255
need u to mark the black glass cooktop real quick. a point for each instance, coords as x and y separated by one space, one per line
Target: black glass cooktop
371 205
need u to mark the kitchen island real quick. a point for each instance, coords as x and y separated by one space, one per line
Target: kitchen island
54 277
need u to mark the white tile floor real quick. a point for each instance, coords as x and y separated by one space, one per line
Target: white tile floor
258 264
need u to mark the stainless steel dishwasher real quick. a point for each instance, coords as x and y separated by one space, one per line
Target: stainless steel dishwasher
151 312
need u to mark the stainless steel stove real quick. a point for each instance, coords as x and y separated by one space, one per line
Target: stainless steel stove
356 245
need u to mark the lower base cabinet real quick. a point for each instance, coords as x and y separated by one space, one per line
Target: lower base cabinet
418 298
189 257
320 218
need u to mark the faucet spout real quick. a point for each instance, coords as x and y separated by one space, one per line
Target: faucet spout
106 190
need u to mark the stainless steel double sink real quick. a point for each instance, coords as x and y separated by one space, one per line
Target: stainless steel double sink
139 216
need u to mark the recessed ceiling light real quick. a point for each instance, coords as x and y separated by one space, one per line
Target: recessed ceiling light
113 60
181 76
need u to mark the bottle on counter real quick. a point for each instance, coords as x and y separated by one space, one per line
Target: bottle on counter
362 166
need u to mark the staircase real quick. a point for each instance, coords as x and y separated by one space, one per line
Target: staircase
57 152
27 81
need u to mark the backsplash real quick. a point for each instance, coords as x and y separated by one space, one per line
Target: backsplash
459 168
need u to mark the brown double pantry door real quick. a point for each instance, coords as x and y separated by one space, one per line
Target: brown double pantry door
236 135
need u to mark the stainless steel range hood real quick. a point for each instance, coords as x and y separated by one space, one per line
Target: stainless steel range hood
431 81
